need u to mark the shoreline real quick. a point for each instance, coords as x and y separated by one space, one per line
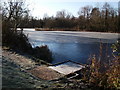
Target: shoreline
69 29
34 29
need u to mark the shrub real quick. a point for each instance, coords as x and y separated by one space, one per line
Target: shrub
114 69
17 41
103 74
43 53
113 74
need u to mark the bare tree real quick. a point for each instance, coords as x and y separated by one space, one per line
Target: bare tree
106 10
95 20
63 14
85 11
14 11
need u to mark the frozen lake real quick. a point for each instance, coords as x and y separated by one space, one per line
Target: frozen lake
69 45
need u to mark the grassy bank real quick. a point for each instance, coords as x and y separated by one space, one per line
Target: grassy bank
16 75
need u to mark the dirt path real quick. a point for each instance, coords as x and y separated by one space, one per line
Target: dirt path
45 73
28 65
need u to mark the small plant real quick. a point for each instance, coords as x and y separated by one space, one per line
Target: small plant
43 53
114 69
102 74
116 48
97 73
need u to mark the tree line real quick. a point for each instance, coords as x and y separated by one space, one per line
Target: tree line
100 19
90 18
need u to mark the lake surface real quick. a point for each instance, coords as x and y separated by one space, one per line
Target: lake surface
68 45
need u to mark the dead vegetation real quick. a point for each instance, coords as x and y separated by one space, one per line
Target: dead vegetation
104 75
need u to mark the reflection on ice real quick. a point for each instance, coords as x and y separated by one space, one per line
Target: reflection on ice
68 45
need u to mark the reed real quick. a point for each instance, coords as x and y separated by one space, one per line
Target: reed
103 74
